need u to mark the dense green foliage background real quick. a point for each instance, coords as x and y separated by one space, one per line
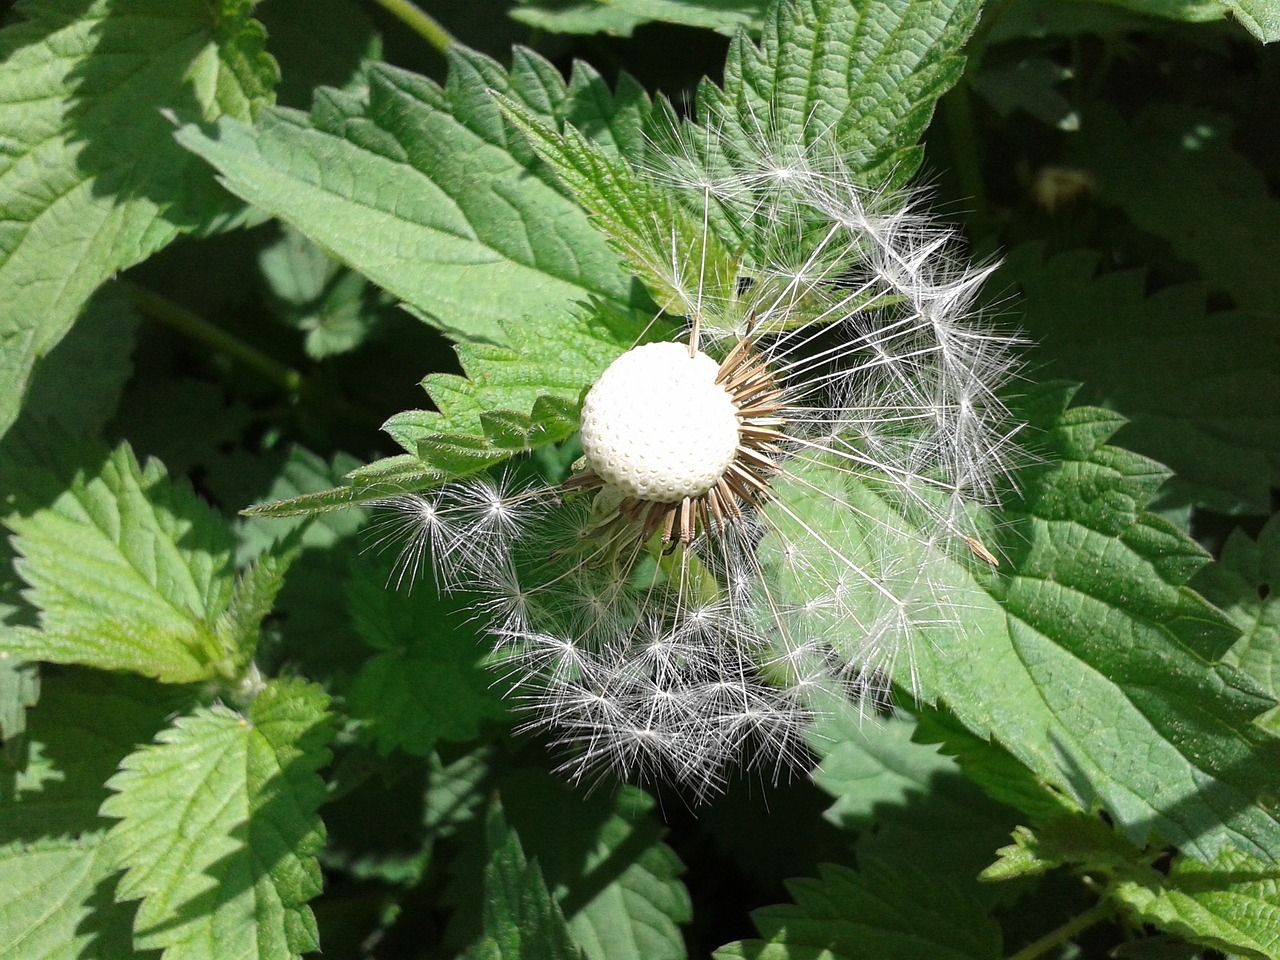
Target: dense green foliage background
233 239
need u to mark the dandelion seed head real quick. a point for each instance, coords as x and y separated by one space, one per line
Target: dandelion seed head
768 508
657 426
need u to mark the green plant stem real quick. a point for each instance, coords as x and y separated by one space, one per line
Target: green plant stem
1054 938
420 22
958 114
196 327
193 325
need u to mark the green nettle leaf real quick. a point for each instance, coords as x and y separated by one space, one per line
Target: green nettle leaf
605 865
419 189
1085 655
253 598
1081 841
1065 834
900 57
1173 172
521 921
311 625
102 340
1259 17
19 681
51 907
923 809
441 239
19 689
303 474
864 74
56 877
620 17
1231 904
59 393
869 764
1102 642
218 829
876 912
427 682
312 292
130 571
90 178
1000 775
513 399
1245 584
1206 401
1190 11
652 234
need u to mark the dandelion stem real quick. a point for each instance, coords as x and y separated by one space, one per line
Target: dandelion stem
421 23
1076 925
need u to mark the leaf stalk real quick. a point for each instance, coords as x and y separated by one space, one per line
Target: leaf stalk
421 23
1060 935
190 324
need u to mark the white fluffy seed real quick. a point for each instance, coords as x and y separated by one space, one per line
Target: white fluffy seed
657 426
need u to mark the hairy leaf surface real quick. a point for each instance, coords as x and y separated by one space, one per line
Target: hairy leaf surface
56 877
218 829
90 178
1100 634
605 865
521 920
876 911
1207 400
620 17
1231 904
663 243
1245 584
1085 655
865 75
1259 17
422 189
128 570
419 188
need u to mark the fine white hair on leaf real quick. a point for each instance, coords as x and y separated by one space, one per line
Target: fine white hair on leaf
675 624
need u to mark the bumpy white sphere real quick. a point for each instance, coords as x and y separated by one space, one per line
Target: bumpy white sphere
657 426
